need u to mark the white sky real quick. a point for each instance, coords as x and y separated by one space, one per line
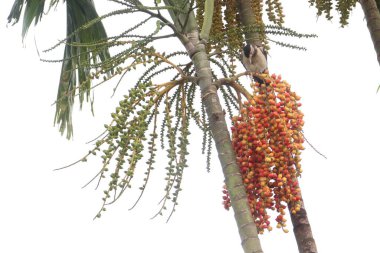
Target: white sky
46 211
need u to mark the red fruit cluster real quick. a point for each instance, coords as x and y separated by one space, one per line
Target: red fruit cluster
267 138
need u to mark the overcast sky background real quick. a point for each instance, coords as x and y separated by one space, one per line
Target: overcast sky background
46 211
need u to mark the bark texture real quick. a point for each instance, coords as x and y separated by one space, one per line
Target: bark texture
372 15
302 231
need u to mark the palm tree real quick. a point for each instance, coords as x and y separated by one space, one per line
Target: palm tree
213 49
84 50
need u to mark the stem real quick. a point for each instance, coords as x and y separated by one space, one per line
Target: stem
232 82
248 19
372 16
226 153
302 230
218 126
187 26
207 20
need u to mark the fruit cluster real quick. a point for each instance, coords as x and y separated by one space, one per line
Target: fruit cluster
267 138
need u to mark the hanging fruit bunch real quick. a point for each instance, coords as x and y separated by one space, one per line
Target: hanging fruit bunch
267 138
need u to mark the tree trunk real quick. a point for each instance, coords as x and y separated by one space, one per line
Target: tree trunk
301 226
302 230
197 52
248 19
227 157
372 16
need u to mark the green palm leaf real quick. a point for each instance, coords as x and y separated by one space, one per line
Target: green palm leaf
83 49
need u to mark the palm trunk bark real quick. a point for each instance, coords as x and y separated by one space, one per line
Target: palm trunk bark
301 226
302 231
372 16
218 126
248 19
226 153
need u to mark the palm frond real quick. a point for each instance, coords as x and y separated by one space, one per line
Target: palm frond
84 49
33 11
16 10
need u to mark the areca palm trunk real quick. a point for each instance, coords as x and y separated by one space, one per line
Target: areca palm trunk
301 225
372 15
247 19
302 231
227 157
218 126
